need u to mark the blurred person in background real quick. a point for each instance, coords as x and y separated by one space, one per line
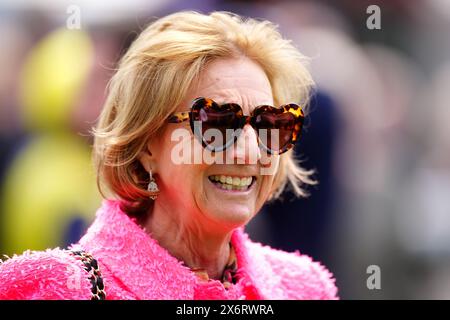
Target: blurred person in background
52 162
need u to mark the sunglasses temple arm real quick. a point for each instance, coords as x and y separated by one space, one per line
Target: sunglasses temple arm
179 117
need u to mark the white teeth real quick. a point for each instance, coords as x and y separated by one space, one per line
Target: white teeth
229 183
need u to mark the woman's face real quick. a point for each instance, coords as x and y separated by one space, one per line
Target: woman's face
192 189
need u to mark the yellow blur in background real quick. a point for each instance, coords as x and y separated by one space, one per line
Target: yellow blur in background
49 189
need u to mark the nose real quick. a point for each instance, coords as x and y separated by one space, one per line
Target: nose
246 149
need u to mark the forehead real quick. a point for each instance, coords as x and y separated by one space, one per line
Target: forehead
238 80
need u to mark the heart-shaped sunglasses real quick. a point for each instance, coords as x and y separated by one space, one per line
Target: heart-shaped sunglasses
217 126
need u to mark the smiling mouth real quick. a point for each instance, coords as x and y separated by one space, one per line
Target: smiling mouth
232 183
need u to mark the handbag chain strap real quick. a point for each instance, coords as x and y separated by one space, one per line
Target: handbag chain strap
93 270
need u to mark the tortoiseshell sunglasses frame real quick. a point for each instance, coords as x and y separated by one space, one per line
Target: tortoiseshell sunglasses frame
292 108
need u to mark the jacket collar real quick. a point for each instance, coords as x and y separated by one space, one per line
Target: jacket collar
141 264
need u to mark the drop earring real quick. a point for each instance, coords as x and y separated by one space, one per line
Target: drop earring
152 187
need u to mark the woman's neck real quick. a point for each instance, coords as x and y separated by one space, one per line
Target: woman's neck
196 244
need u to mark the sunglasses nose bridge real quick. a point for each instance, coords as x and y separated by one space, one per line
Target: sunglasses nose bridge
244 120
245 149
248 120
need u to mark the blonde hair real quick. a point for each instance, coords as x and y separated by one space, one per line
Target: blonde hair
155 74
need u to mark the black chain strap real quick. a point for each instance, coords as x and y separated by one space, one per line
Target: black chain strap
95 276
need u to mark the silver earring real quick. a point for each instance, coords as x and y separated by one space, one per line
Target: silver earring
153 187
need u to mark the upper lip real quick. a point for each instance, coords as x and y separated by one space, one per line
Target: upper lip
240 170
233 175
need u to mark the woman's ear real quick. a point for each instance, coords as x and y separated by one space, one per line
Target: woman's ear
147 159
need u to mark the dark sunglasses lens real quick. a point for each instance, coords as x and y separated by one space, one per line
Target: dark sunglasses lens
214 124
275 128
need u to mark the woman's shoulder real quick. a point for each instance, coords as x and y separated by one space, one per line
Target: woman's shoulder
300 277
49 274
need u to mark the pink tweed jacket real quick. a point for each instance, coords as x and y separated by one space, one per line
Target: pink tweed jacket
134 266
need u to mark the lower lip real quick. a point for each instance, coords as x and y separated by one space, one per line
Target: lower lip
237 192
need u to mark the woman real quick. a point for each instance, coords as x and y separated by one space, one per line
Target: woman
188 148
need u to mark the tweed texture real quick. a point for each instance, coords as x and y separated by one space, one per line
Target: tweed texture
135 266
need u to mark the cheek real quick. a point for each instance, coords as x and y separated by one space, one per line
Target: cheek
179 180
266 186
267 180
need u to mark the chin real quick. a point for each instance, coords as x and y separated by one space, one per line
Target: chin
233 216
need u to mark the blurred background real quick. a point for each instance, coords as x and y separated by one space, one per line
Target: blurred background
377 134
